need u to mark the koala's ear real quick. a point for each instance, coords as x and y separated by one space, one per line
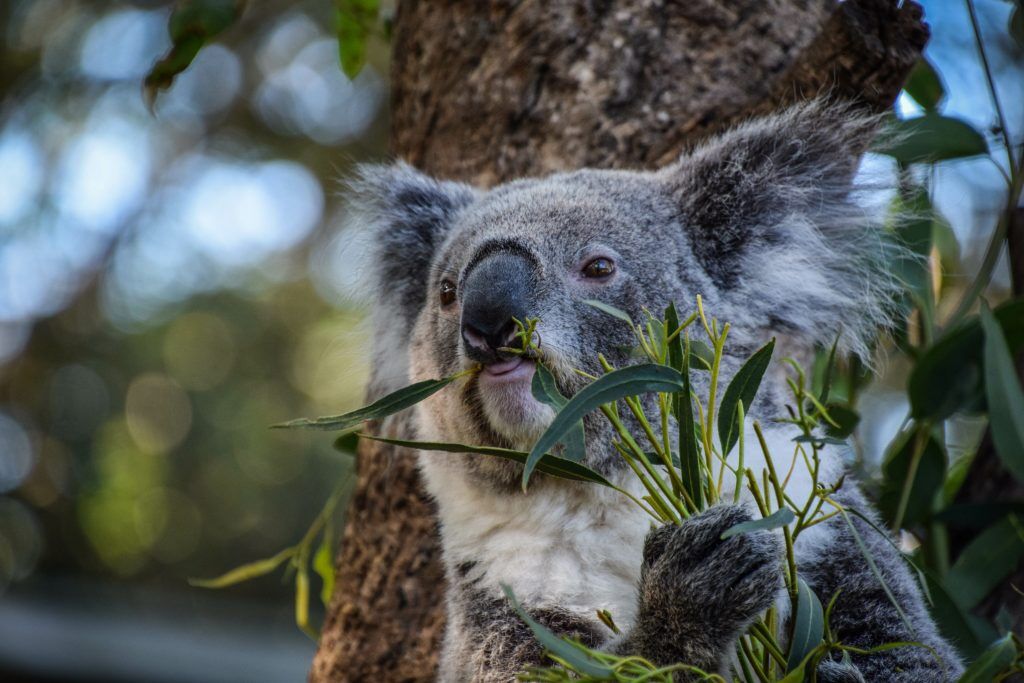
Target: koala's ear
770 214
406 215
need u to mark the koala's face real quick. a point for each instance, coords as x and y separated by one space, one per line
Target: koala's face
541 249
758 222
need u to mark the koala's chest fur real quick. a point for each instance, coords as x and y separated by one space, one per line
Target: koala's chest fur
576 547
572 546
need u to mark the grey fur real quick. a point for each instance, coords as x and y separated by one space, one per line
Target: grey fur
762 223
690 574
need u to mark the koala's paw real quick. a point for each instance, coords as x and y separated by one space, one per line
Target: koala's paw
705 585
839 672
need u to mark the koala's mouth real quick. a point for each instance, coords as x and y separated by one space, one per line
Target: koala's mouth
506 398
512 370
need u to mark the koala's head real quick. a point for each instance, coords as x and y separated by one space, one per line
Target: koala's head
759 221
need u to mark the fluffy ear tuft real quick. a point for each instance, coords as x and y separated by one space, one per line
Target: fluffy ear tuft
771 214
405 215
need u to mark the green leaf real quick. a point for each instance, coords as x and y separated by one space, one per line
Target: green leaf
548 464
192 24
915 233
993 661
743 387
873 566
1016 25
977 516
947 378
302 601
950 617
579 660
610 310
1004 395
354 23
680 358
808 625
845 417
776 520
323 565
702 356
630 381
923 84
822 440
986 561
545 390
347 443
389 405
246 572
930 138
924 455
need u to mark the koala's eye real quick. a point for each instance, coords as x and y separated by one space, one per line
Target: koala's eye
600 267
447 292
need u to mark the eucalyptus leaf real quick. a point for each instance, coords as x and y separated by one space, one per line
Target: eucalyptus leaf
548 464
579 660
916 233
927 459
743 387
924 85
776 520
986 561
680 358
947 378
323 565
702 356
873 566
951 619
354 22
821 440
630 381
844 416
610 310
389 405
545 390
245 572
1004 395
930 138
993 661
808 626
302 601
1016 25
192 24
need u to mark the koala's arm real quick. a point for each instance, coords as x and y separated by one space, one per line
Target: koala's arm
487 642
696 595
864 616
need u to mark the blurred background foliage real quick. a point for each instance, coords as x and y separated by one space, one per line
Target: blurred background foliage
172 283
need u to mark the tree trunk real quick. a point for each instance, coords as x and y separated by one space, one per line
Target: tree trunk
488 90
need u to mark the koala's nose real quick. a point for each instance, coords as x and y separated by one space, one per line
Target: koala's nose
496 290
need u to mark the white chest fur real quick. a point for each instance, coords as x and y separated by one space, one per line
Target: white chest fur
577 547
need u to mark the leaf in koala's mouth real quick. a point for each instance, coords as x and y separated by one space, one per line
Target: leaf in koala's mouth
549 464
389 405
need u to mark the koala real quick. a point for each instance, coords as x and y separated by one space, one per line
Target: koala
765 223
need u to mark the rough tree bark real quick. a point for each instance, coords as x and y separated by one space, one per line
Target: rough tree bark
487 90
